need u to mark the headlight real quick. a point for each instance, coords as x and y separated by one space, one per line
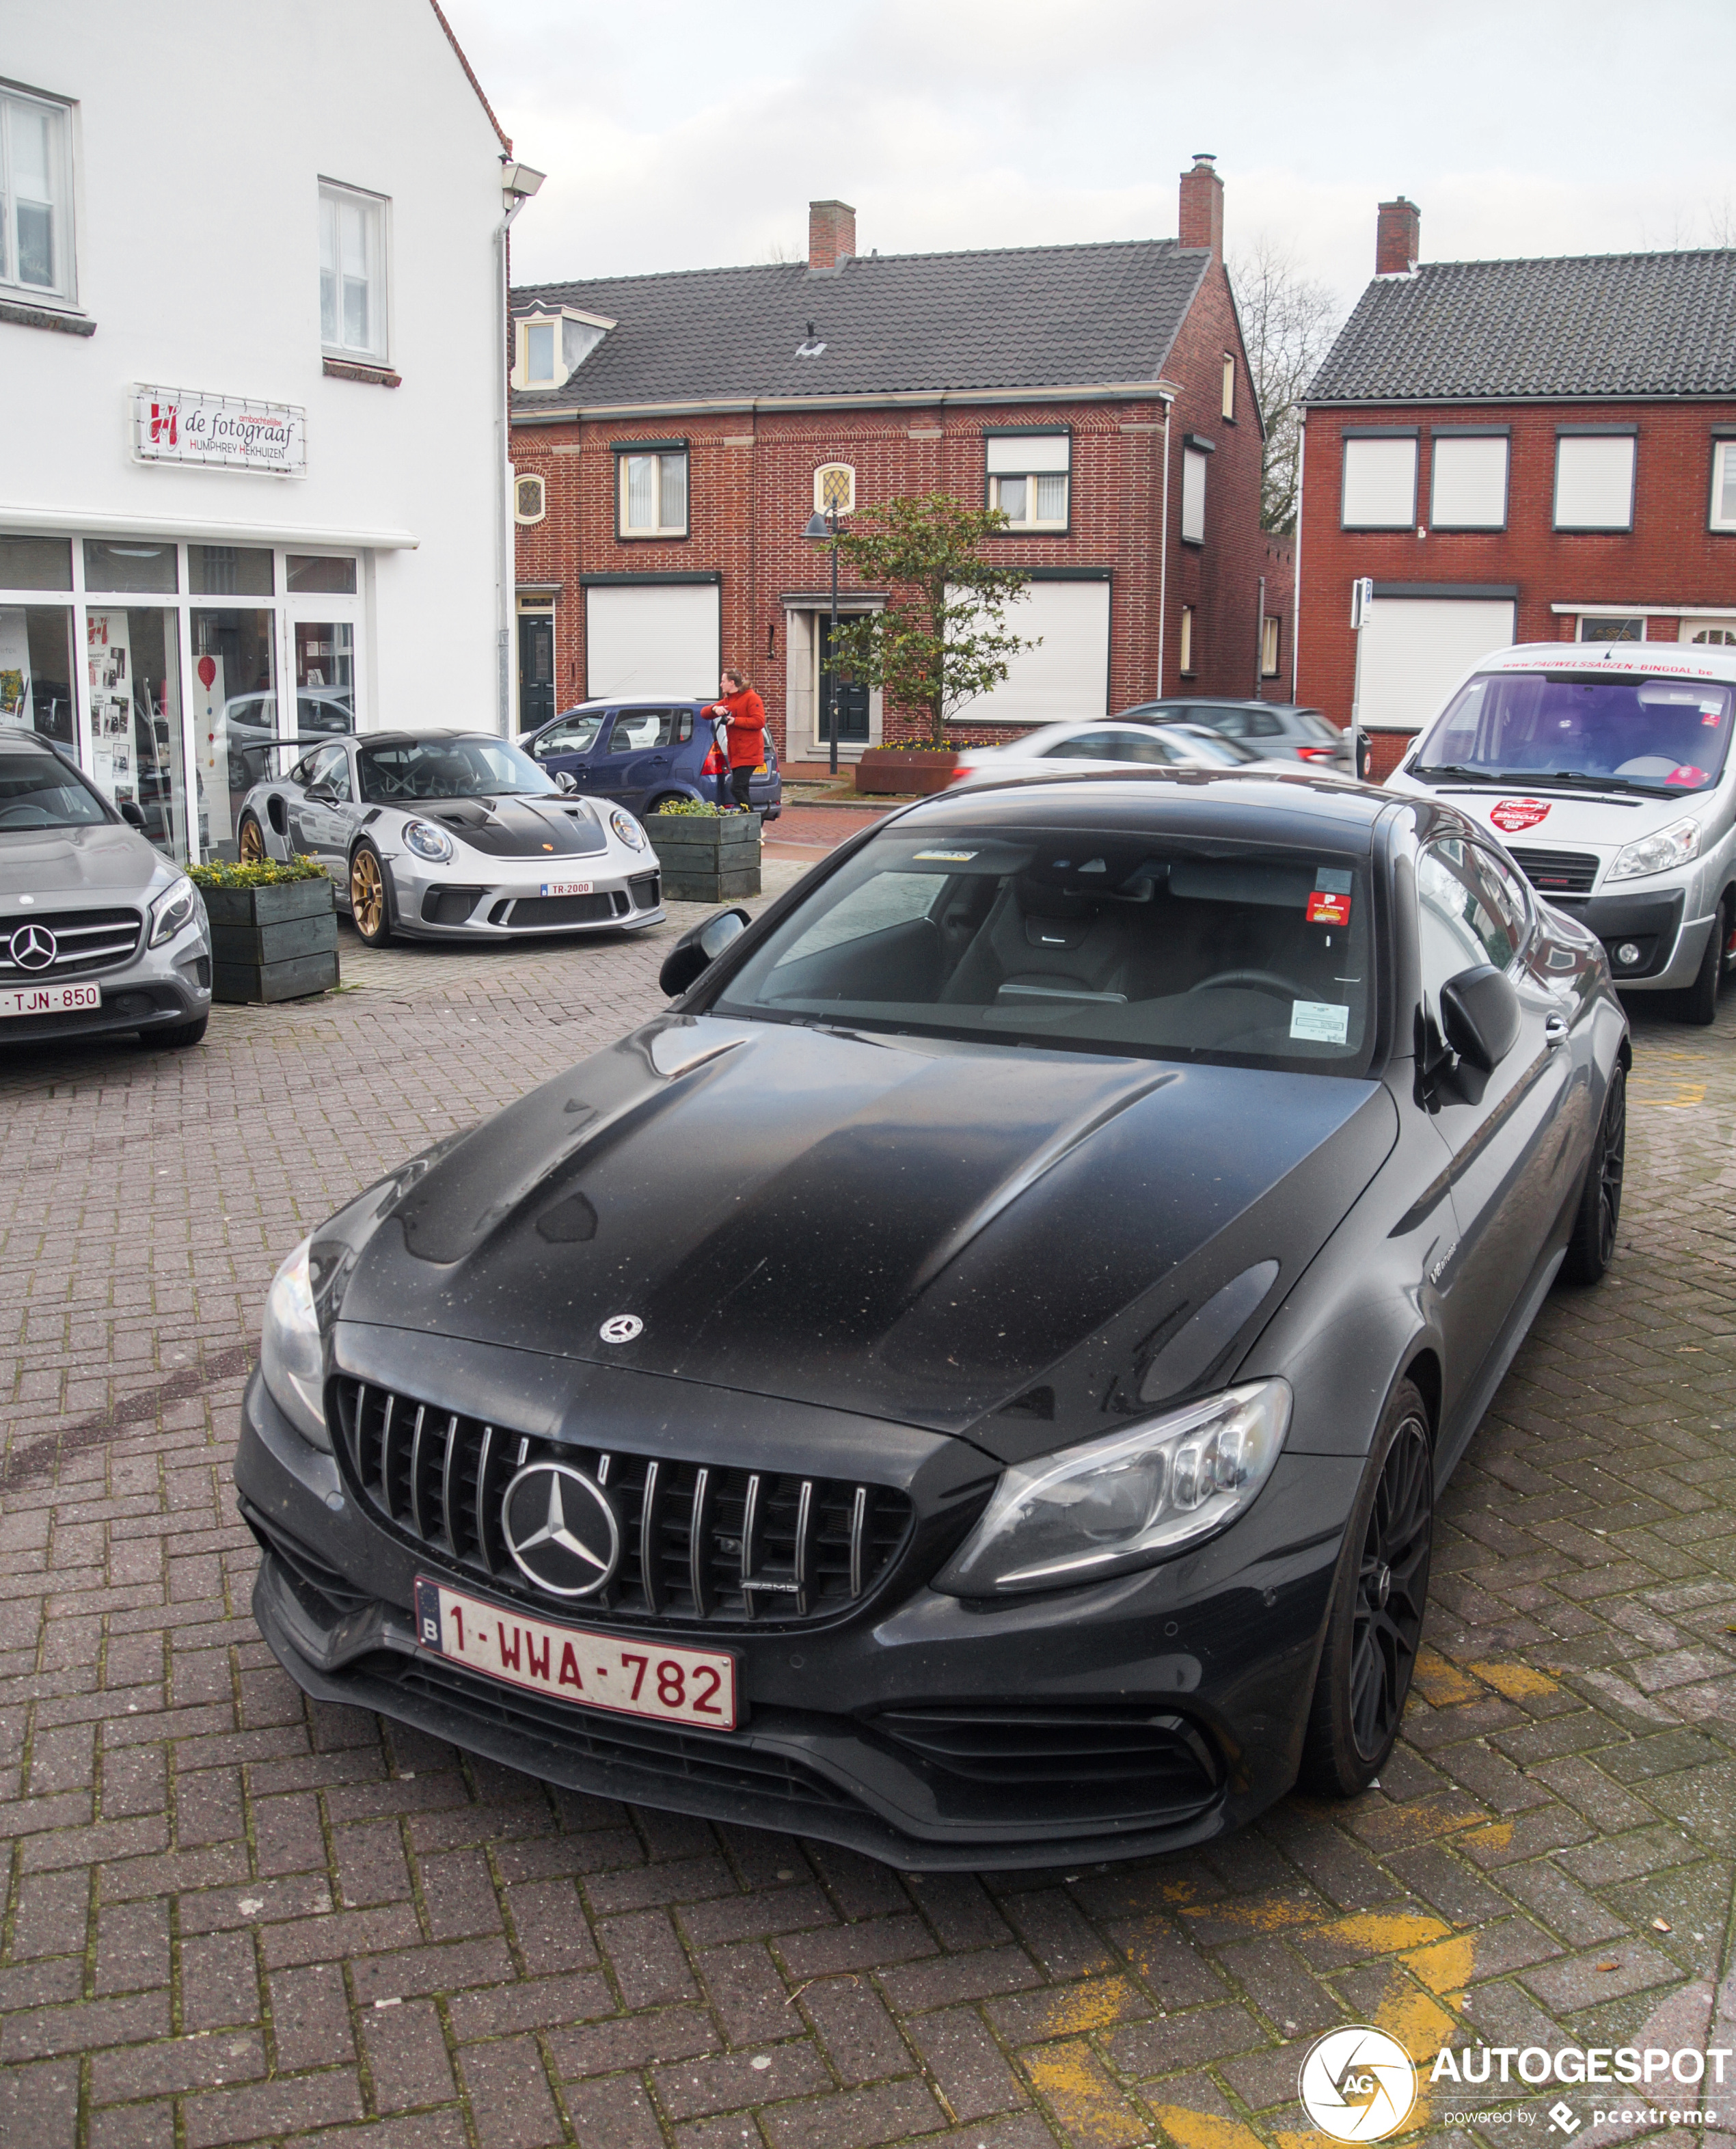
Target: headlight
1674 846
1126 1501
627 828
427 841
174 908
290 1356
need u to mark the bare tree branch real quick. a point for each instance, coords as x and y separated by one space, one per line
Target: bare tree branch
1288 322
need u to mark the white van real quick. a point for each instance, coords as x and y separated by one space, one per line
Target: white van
1605 770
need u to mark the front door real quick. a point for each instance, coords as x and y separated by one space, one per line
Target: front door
852 699
634 762
535 669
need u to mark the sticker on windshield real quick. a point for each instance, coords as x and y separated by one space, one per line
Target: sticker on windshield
1329 909
1687 774
1321 1021
1512 814
947 857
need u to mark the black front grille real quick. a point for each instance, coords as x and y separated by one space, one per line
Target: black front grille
699 1543
1067 1759
86 941
645 891
618 1742
449 906
1556 873
533 910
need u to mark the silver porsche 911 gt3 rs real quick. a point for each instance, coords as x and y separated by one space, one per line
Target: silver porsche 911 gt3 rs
447 835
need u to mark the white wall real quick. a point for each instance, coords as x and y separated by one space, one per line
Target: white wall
202 130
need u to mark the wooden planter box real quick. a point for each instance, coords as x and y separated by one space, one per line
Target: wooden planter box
883 768
272 944
706 860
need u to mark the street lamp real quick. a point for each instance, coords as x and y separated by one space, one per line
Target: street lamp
825 525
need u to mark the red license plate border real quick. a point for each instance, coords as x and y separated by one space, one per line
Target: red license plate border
739 1712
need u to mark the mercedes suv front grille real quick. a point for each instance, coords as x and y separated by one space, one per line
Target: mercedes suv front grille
66 944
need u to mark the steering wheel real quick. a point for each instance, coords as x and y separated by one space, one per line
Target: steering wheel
1258 981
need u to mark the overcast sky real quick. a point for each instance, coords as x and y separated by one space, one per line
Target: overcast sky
677 135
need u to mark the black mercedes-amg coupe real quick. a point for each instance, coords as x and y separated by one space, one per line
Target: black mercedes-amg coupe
972 1380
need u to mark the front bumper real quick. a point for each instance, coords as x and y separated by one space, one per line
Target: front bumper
158 989
1668 952
868 1728
438 903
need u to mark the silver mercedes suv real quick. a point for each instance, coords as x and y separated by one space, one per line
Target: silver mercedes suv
100 934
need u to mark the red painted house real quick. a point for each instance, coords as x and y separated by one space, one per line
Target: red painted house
1515 451
673 434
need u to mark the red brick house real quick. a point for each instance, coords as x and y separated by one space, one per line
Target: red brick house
672 435
1515 451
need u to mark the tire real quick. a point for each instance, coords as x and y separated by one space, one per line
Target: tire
1727 921
1370 1648
250 841
1591 1247
183 1033
370 903
1700 1000
665 798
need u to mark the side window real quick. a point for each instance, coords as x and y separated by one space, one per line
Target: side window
572 735
1506 893
319 767
1139 746
337 774
1082 745
1233 723
637 729
1261 723
1462 914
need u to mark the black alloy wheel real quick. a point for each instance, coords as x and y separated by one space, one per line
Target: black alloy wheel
1375 1624
1591 1247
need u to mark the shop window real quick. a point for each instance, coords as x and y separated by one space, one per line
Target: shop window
115 564
1028 477
316 574
1269 645
653 493
35 670
229 571
530 500
36 243
352 272
136 745
36 563
1187 642
1723 485
232 697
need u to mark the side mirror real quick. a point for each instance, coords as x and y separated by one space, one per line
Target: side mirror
564 780
132 813
322 794
1480 1014
698 948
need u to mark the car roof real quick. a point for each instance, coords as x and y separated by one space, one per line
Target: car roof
1657 660
34 740
1223 701
413 738
1271 805
629 701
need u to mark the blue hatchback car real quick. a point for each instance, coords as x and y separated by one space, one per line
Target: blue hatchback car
639 752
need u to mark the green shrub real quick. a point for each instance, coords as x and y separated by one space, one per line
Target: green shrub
269 873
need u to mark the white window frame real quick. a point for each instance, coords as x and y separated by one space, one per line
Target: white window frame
1590 440
526 328
1271 645
1610 619
846 503
1230 387
623 459
1184 664
1393 449
1193 462
1723 485
334 196
519 479
63 290
1021 459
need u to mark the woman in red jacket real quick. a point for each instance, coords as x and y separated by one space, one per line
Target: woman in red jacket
746 715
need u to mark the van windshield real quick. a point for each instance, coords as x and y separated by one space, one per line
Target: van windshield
1620 734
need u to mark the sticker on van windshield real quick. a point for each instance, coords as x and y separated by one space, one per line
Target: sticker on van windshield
1319 1020
1329 909
1687 774
1512 814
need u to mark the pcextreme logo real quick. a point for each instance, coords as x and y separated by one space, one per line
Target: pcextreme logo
1357 2083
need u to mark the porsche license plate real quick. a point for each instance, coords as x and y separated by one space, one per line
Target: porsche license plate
573 1663
50 1000
568 887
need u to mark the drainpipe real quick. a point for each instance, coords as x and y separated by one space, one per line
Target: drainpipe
1295 587
518 182
1163 556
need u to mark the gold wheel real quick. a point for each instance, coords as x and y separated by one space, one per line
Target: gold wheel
367 895
253 842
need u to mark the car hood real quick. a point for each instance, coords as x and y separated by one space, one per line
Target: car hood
1546 819
102 858
913 1230
519 827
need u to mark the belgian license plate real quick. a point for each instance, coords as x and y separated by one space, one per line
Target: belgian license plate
568 887
573 1663
50 1000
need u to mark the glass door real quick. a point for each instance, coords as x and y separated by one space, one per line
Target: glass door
138 748
321 629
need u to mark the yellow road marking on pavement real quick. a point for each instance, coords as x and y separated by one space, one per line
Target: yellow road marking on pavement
1265 1914
1388 1932
1517 1682
1414 2020
1079 2007
1677 1096
1441 1684
1447 1964
1204 2130
1496 1836
1091 2110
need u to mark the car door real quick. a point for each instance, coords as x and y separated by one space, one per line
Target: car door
320 819
637 758
566 747
1510 1158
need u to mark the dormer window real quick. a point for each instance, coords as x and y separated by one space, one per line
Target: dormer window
552 345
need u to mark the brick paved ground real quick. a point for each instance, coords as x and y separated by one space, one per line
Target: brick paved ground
232 1917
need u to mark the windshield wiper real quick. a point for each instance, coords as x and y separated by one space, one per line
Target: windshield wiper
1533 779
1581 776
1458 769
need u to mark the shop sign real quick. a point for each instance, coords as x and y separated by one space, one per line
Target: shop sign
218 432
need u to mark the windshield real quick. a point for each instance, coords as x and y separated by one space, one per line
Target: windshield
37 792
448 768
1623 733
1111 940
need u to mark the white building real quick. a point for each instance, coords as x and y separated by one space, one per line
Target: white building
252 363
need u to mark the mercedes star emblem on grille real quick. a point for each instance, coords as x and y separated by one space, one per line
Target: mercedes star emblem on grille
33 947
560 1529
621 1328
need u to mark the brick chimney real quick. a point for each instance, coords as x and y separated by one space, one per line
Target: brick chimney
1202 205
1398 236
831 233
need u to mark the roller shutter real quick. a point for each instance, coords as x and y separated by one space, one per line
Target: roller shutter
651 638
1415 649
1068 675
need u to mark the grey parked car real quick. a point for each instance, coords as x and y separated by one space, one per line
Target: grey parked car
98 932
1277 731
